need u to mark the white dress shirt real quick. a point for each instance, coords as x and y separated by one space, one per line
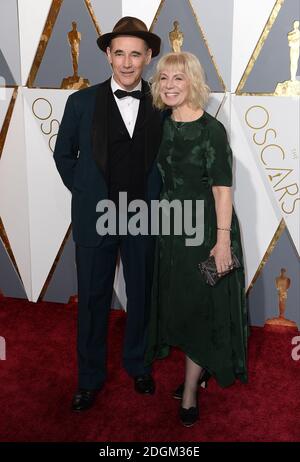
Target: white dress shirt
128 106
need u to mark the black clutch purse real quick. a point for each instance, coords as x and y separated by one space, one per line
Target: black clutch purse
209 271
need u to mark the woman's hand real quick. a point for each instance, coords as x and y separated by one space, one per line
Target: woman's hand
222 253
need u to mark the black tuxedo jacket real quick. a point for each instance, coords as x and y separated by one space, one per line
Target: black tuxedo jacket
81 155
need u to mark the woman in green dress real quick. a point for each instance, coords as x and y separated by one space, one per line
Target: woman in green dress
195 161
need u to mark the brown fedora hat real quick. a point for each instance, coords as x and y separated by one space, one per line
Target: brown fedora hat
131 26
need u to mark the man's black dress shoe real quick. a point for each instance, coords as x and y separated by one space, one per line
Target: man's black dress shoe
144 384
188 417
202 382
84 399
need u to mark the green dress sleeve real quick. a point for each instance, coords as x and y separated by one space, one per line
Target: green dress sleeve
219 156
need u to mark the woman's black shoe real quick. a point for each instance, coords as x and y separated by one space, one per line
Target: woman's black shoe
202 382
188 417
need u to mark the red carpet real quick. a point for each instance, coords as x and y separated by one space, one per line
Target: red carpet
38 379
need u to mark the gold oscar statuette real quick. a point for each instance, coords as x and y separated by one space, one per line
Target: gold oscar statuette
282 285
74 81
291 87
176 38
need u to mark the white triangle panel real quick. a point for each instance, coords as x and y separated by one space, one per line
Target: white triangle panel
49 200
258 216
274 143
32 19
5 99
14 209
119 285
145 12
249 20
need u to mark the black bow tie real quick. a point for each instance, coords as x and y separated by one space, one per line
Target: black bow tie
134 94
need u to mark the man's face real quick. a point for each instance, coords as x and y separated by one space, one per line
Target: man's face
128 56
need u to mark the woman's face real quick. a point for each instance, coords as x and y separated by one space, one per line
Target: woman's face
173 88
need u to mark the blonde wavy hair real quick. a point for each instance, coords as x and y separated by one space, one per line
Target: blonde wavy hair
188 64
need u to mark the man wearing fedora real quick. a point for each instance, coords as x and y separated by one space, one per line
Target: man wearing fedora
107 143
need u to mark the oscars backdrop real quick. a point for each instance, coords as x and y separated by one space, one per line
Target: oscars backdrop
250 52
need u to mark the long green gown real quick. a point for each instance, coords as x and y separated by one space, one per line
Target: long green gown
208 323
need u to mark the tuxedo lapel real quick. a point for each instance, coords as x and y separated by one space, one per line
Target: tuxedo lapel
153 127
116 111
140 118
100 127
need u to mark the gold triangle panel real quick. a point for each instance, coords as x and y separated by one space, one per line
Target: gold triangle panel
276 237
259 45
155 19
54 10
45 37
